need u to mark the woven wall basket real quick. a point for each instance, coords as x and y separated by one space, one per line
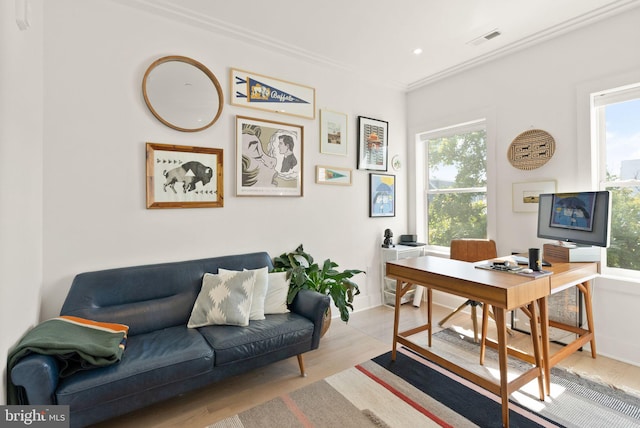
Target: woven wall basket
531 149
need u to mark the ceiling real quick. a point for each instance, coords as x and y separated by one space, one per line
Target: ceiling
375 39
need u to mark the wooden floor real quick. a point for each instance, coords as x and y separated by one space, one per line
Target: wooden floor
367 335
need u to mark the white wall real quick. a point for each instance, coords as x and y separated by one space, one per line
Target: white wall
21 177
539 88
96 126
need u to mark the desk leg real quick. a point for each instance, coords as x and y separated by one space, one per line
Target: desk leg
483 339
585 289
429 314
396 319
535 337
502 353
544 332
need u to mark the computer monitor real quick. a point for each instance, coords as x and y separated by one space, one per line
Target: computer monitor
578 217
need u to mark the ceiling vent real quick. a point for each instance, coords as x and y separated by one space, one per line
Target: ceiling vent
485 37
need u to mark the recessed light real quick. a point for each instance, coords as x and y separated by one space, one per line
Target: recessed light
417 51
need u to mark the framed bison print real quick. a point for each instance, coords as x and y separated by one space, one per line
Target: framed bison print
184 177
268 158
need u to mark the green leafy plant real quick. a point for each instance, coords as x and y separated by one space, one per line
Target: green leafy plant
304 273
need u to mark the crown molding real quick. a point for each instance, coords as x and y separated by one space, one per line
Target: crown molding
534 39
176 12
170 10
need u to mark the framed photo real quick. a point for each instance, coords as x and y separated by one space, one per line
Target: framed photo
373 144
254 90
269 158
333 175
382 195
526 195
184 177
333 133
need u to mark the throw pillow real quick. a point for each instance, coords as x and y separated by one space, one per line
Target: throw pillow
277 289
259 291
223 299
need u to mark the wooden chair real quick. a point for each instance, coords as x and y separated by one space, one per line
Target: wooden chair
471 250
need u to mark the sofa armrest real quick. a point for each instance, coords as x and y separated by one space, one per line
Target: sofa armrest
313 306
38 376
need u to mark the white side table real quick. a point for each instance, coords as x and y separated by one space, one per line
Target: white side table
388 285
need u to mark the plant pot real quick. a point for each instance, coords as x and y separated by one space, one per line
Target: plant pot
326 322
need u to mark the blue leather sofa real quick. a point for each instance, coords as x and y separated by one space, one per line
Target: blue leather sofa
163 358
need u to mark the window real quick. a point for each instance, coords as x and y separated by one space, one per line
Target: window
455 191
616 122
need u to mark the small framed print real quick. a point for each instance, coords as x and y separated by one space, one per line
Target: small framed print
333 175
333 133
526 196
184 176
269 158
382 195
373 143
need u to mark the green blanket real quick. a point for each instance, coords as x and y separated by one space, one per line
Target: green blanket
78 344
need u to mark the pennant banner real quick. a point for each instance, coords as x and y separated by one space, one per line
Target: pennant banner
271 94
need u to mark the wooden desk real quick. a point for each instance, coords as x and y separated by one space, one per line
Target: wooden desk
567 275
503 291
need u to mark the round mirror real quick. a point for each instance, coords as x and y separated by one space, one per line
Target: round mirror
182 93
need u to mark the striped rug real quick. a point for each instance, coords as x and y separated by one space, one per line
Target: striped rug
413 392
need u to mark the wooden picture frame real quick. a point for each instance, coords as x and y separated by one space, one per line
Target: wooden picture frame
253 90
333 175
382 195
333 133
373 143
526 195
184 176
269 158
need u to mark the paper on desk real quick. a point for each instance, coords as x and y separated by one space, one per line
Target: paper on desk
514 270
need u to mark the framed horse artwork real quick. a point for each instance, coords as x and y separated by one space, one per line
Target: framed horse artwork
269 158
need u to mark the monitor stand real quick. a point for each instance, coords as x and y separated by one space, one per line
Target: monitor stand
572 254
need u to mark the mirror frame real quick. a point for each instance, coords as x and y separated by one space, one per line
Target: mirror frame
199 66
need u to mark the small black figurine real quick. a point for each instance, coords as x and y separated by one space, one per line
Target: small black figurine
388 242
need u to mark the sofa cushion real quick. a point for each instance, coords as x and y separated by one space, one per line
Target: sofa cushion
259 291
224 299
232 344
150 360
275 301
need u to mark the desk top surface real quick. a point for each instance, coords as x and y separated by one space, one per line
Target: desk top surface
501 289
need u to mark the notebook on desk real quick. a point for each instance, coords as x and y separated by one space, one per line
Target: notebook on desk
513 269
521 260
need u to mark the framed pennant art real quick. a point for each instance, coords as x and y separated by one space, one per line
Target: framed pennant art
260 92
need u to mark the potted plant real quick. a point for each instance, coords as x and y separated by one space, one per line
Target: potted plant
304 273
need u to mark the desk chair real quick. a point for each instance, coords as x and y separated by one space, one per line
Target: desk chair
471 250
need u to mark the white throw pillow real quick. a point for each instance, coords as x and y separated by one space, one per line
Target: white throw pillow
277 290
223 300
259 291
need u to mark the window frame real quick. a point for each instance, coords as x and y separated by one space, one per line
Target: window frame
422 139
597 104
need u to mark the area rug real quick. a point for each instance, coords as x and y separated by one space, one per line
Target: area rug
413 392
